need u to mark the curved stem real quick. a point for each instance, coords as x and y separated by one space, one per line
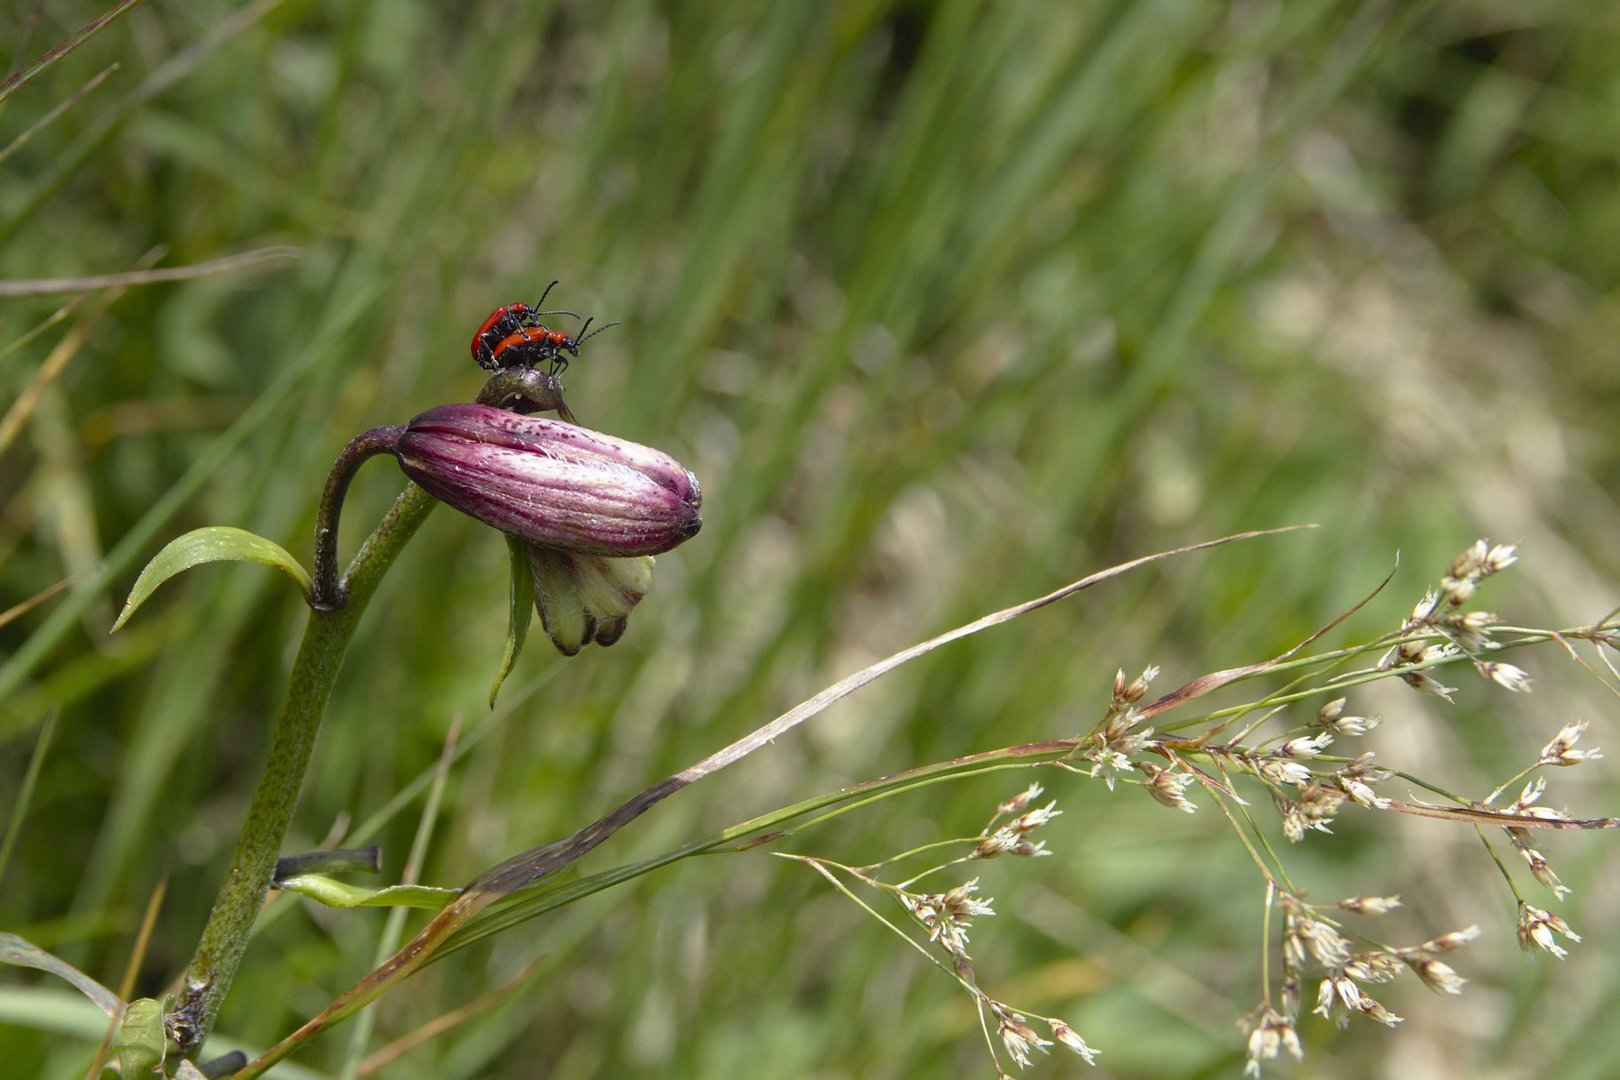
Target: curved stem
326 639
328 594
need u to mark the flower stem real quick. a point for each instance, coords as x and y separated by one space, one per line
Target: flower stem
326 639
328 593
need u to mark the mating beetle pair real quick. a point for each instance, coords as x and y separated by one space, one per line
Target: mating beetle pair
513 336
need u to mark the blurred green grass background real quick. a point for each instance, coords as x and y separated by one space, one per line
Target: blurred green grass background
946 304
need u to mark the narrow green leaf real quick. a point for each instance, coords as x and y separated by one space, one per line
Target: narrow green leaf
25 794
24 953
217 543
340 894
522 610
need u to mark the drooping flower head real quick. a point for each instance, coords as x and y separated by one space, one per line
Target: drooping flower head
589 509
550 482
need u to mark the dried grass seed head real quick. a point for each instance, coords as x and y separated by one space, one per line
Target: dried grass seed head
1169 787
1536 928
1370 905
1268 1036
1017 1036
1561 750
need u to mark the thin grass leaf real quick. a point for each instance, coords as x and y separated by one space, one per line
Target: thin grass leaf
25 791
61 107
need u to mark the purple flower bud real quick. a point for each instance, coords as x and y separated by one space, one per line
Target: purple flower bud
552 483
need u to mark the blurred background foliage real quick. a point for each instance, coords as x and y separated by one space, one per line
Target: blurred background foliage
946 304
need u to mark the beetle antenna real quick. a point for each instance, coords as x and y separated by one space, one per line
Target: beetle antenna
559 311
583 336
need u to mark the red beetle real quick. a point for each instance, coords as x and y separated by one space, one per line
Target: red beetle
507 322
531 345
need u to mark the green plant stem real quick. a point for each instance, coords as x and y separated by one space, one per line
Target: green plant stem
328 591
320 656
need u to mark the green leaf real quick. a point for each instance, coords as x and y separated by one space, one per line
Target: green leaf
340 894
24 953
217 543
522 603
140 1044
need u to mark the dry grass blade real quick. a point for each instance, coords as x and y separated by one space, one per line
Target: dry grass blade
55 364
224 265
1498 817
17 610
441 1024
536 863
73 41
